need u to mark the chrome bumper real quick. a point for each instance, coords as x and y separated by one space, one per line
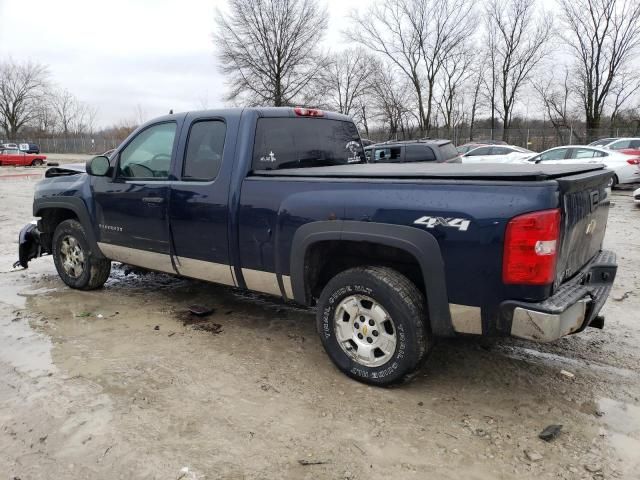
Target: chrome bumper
573 307
547 327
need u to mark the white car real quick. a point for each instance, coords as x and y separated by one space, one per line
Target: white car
624 144
626 167
496 154
636 197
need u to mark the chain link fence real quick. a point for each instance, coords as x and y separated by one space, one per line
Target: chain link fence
88 144
537 139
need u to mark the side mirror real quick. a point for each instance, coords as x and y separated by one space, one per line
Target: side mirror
98 166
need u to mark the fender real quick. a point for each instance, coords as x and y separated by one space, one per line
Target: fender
77 206
420 244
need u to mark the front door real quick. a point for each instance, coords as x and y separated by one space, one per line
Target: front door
131 207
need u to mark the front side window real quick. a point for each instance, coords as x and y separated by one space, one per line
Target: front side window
204 150
305 142
148 155
479 151
389 154
557 154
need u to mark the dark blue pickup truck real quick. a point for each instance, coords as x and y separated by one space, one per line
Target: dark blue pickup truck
281 201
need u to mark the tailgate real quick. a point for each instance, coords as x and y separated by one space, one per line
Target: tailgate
585 204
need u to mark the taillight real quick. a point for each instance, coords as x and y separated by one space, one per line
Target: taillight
633 161
531 247
308 112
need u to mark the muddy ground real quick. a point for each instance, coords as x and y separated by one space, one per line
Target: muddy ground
112 384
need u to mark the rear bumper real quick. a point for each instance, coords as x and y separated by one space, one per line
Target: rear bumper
573 307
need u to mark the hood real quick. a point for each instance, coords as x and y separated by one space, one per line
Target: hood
65 170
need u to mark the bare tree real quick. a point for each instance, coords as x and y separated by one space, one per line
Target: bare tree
478 75
347 79
625 86
22 88
387 29
73 117
556 100
269 48
65 107
415 36
444 26
391 101
519 45
456 70
603 36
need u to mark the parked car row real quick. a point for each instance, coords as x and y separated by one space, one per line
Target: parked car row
23 147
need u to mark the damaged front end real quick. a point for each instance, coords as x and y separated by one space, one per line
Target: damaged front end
29 245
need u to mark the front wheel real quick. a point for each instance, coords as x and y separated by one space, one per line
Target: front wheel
372 323
36 163
76 264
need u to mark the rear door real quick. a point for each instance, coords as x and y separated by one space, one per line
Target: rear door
131 207
585 155
198 206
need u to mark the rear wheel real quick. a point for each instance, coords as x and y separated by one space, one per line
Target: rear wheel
77 266
36 163
613 182
372 323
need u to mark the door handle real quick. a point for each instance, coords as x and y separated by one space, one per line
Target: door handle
153 200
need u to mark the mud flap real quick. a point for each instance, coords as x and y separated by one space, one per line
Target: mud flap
29 245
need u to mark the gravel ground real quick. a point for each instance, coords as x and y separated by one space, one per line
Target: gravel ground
121 383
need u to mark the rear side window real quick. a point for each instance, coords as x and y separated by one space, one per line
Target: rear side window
419 153
305 142
585 153
620 145
501 150
204 150
448 151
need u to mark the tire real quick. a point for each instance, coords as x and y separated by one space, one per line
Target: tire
77 266
613 182
36 163
405 318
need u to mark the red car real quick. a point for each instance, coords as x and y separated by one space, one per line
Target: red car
20 159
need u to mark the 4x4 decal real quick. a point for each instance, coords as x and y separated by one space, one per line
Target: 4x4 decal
461 224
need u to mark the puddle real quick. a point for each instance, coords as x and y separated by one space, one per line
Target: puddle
24 349
21 347
622 424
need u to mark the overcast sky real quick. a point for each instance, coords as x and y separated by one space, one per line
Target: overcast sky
122 53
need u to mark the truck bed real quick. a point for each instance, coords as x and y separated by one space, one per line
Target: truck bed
501 171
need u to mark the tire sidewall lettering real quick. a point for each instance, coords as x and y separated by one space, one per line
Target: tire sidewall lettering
328 333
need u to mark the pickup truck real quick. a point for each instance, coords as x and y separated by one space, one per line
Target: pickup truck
393 256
